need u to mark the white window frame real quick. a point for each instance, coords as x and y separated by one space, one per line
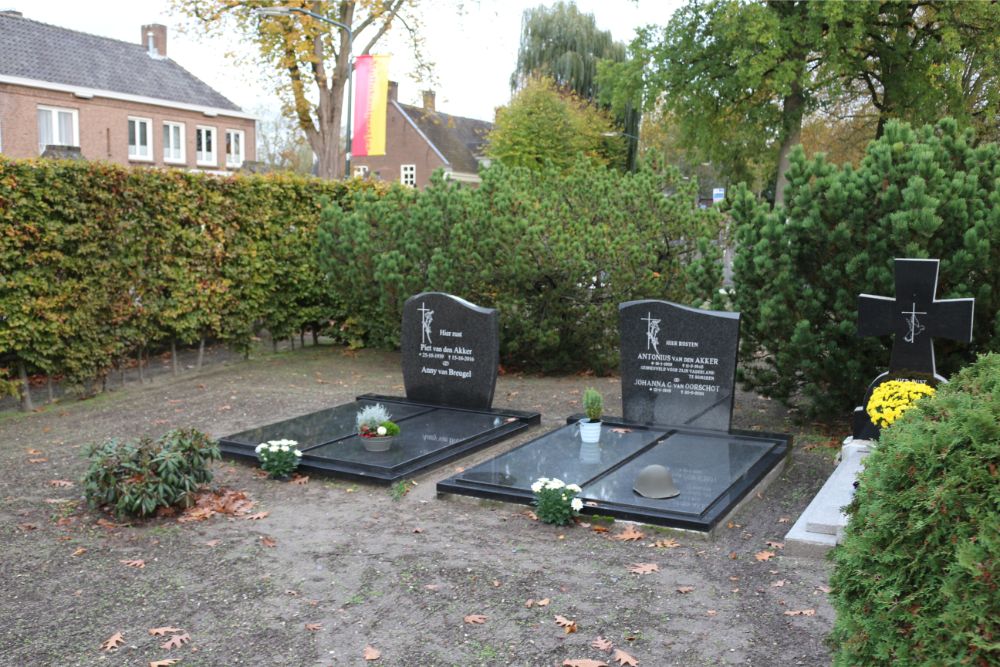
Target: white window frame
169 125
199 160
55 124
360 171
136 156
236 163
408 175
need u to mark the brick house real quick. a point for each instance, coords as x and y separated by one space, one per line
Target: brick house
419 140
116 101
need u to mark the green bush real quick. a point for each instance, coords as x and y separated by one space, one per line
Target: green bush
926 193
917 578
99 261
554 251
137 477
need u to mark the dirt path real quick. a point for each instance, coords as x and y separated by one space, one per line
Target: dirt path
370 570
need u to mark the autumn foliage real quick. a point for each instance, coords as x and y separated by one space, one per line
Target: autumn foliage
99 262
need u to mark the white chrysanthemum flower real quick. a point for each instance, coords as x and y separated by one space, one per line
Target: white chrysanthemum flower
259 447
298 453
574 488
537 486
284 448
555 484
576 504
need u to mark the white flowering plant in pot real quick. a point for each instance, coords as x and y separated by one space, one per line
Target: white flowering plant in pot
556 501
278 458
374 421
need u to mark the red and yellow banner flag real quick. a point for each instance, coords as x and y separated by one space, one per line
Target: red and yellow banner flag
371 88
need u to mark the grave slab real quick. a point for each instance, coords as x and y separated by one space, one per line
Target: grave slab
450 351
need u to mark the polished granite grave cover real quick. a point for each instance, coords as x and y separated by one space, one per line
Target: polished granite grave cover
713 470
430 435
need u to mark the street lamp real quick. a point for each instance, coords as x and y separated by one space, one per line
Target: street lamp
288 11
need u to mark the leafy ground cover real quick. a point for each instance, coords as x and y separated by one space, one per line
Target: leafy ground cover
325 572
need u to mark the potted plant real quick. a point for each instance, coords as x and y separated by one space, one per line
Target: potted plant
376 428
593 405
278 458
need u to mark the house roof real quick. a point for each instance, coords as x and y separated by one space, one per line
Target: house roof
459 140
42 52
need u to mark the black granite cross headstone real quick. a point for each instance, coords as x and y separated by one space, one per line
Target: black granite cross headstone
914 318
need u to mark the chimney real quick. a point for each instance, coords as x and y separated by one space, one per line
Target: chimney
154 38
393 91
429 101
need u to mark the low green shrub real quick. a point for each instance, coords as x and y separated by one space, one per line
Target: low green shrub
556 501
137 477
917 578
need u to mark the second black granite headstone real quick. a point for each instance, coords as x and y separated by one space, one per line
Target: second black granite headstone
451 351
678 364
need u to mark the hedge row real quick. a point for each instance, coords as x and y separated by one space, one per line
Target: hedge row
555 251
99 261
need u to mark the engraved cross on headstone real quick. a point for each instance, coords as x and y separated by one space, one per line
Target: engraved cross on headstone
915 317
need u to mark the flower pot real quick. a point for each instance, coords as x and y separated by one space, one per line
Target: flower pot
590 453
590 431
380 443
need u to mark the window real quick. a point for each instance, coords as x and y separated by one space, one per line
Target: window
204 145
57 127
140 139
173 142
408 175
234 148
361 171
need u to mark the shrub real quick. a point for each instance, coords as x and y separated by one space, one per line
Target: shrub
926 193
593 404
556 501
138 477
278 458
916 578
546 248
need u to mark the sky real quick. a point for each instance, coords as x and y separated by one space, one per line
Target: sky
474 51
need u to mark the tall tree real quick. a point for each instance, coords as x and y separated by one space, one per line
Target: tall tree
308 60
565 45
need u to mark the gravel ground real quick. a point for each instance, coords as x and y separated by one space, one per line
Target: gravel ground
398 575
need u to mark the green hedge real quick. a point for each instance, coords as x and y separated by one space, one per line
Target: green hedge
98 261
917 578
926 192
555 251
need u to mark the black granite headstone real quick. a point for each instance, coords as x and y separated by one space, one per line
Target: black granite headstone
678 364
451 351
914 318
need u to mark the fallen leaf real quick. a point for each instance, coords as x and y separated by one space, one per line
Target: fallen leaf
314 627
800 612
685 589
529 603
26 527
624 658
824 589
104 523
544 602
585 662
418 530
79 551
139 564
602 644
496 583
764 555
301 480
268 542
371 653
258 516
779 583
711 612
775 545
166 630
475 619
666 544
734 578
168 662
733 555
630 534
643 568
566 624
784 519
176 641
600 529
621 430
213 543
34 452
531 515
39 460
60 483
432 587
113 642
